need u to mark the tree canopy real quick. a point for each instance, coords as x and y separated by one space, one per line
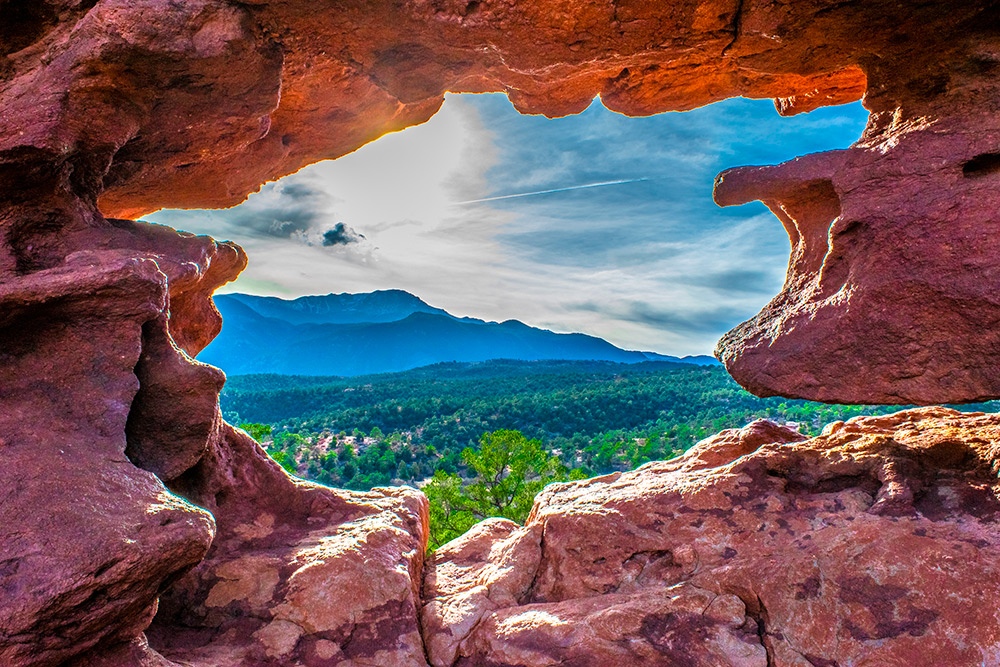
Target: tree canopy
508 471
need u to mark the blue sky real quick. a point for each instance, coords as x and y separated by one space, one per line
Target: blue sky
647 261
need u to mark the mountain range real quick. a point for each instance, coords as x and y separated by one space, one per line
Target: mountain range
383 332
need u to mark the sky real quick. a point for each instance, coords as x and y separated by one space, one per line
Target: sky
596 223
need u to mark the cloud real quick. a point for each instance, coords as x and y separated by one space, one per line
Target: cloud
648 263
736 280
710 319
303 192
286 209
295 209
341 234
282 210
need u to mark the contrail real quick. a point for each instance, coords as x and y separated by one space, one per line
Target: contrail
546 192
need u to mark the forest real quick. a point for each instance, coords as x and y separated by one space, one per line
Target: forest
594 417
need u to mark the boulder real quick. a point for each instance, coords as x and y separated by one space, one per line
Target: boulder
867 545
298 574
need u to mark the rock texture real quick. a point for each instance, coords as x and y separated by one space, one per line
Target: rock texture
88 539
118 472
868 545
298 573
145 104
124 496
888 297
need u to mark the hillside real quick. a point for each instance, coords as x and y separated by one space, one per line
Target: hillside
382 332
599 416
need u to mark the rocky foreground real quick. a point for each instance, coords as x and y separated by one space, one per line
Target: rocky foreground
872 544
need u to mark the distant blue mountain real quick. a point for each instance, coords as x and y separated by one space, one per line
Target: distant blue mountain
379 306
382 332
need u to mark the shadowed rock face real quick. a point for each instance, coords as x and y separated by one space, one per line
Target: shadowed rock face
124 496
87 540
866 545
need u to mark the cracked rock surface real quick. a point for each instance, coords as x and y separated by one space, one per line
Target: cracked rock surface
867 545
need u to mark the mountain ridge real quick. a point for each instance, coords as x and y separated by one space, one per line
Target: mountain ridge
382 332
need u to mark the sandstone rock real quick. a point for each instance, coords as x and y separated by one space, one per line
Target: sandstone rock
731 444
836 550
87 540
886 299
145 104
298 574
136 653
680 624
138 104
195 267
96 393
176 410
490 567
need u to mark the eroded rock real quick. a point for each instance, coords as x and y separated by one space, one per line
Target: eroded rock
299 574
887 298
88 539
676 625
102 407
490 567
889 294
835 550
139 104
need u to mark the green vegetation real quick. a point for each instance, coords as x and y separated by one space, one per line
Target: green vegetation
578 418
507 470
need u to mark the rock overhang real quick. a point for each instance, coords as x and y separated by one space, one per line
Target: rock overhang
888 297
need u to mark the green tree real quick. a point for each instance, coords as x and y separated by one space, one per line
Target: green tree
257 431
285 461
508 471
449 515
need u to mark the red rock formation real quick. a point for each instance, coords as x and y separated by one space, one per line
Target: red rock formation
150 103
298 573
117 107
868 545
887 298
88 539
96 393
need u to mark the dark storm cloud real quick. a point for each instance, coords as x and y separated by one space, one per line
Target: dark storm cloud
290 210
341 234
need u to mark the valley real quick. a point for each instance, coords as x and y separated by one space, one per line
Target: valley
597 416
